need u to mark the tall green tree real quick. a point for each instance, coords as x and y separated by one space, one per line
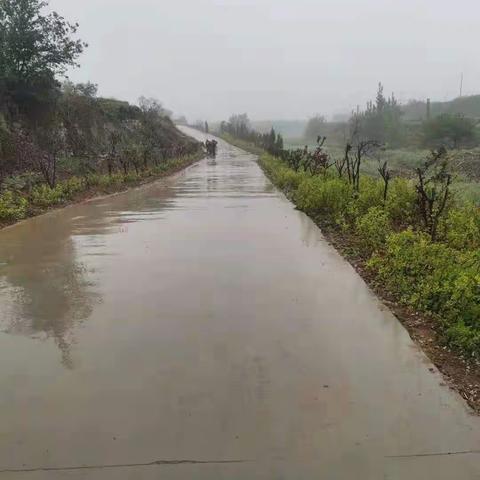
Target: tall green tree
81 118
35 47
381 120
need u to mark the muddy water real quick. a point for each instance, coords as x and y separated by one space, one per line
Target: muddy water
202 318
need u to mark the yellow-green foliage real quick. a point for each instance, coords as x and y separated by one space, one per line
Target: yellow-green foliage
72 186
282 176
105 181
329 196
131 177
463 228
373 228
400 203
44 196
370 195
12 206
15 205
288 180
435 278
440 278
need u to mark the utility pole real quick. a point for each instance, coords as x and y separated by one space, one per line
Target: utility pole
461 84
428 109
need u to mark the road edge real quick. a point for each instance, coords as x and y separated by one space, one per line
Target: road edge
461 375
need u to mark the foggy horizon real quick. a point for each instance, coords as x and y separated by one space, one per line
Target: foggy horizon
208 59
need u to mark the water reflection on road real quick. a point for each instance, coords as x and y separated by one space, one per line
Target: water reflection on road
48 264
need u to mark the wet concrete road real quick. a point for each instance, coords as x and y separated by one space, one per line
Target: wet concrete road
202 318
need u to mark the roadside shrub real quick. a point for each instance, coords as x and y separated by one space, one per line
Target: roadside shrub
92 180
162 167
441 278
464 302
106 181
44 196
464 338
12 206
416 269
72 186
372 229
434 278
270 164
401 202
370 195
288 180
328 196
463 228
23 194
282 176
131 177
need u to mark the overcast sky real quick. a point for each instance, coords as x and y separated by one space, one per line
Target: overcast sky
281 59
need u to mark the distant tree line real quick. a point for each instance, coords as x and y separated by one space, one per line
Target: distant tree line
383 120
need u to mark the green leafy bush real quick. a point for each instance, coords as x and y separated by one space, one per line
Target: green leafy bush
72 186
413 267
106 181
327 196
463 337
284 177
433 278
288 180
441 278
270 164
131 177
370 195
12 206
373 228
44 196
463 228
464 301
401 202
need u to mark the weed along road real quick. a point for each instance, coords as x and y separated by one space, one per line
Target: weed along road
200 327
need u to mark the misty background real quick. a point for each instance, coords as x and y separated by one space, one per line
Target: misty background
276 58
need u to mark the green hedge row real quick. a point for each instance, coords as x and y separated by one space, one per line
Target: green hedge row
439 278
16 205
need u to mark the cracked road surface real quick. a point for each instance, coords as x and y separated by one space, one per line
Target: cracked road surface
200 327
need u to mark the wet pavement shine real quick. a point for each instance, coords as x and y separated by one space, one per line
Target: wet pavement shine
201 327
